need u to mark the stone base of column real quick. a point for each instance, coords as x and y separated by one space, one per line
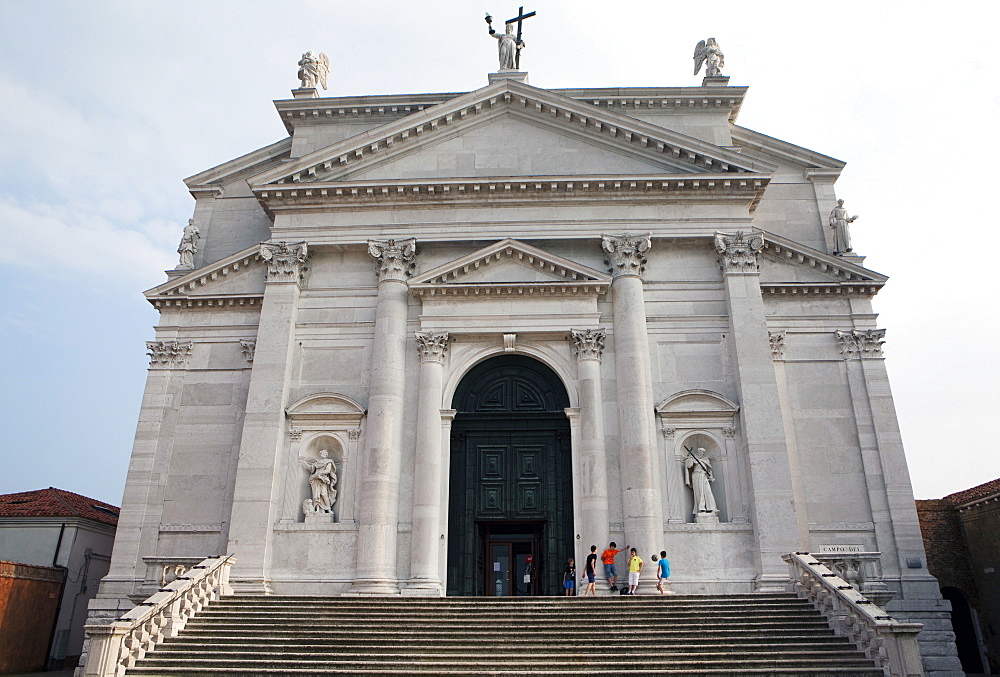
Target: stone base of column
373 587
706 518
772 583
420 587
250 586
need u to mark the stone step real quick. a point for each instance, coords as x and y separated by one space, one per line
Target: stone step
535 672
476 642
505 613
638 662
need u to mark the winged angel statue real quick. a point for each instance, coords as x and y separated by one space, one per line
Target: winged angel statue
709 50
313 69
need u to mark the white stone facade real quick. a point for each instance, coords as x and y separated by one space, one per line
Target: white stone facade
673 269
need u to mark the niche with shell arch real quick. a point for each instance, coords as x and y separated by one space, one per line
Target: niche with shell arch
702 418
330 422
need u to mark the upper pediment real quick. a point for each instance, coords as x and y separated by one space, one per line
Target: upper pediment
510 267
505 107
235 281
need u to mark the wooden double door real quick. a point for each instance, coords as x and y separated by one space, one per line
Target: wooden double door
510 513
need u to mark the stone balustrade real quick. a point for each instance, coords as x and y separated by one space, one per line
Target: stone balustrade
890 643
863 570
117 646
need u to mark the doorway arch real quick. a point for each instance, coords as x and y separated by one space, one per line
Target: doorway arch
510 503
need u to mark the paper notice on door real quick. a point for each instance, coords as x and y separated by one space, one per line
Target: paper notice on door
527 578
496 566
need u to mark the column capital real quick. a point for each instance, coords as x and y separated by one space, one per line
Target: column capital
861 343
168 354
588 343
738 253
284 261
626 254
393 259
432 347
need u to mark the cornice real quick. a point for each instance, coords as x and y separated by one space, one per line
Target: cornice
210 179
783 249
672 147
801 289
663 99
748 188
815 164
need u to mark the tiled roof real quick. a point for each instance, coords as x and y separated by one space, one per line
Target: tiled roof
54 502
975 493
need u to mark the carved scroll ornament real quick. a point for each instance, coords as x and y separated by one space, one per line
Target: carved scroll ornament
626 254
284 261
738 253
393 260
588 343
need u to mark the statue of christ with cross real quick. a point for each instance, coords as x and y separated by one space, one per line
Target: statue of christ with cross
509 45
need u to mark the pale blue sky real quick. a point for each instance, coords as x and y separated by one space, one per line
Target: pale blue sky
106 106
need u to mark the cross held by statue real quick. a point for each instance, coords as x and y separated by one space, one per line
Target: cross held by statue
521 16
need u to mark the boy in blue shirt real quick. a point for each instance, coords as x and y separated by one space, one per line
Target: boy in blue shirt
662 570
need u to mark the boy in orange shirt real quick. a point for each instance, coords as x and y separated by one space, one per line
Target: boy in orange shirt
610 572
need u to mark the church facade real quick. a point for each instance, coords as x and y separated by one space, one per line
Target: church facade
436 344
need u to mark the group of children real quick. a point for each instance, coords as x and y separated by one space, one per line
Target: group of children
635 565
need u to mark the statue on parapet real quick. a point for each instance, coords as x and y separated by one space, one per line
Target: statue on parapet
709 53
839 221
188 246
313 70
509 44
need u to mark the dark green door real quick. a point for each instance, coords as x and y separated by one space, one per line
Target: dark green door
511 481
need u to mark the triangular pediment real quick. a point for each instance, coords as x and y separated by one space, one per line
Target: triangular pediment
510 267
237 280
787 267
508 103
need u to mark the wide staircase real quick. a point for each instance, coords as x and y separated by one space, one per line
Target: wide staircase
754 634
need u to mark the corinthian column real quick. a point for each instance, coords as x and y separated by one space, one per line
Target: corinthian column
643 511
425 546
589 345
772 496
379 500
256 493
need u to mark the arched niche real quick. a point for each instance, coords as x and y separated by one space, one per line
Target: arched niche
701 418
322 421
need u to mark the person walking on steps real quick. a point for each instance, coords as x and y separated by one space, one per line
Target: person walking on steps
590 571
569 578
634 567
610 571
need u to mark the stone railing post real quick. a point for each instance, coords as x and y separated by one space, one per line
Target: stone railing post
427 464
643 509
378 512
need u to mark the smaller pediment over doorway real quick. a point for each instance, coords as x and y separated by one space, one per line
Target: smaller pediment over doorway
509 286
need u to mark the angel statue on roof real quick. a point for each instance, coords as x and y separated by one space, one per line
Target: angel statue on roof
709 51
313 69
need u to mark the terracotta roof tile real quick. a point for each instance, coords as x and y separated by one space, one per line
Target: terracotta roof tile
975 493
54 502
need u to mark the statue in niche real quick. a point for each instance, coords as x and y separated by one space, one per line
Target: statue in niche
313 70
708 52
188 246
839 221
698 475
322 479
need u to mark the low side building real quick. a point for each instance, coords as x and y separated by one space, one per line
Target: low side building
69 532
962 538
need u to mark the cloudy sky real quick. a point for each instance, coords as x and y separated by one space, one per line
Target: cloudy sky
107 106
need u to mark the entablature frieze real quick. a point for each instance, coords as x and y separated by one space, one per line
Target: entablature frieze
745 188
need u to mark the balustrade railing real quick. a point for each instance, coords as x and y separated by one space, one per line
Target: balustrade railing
115 647
892 644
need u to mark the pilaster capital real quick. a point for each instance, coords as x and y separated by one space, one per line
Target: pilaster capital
248 347
168 354
432 347
354 434
588 343
738 253
668 432
729 433
393 260
861 343
626 254
284 261
777 341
